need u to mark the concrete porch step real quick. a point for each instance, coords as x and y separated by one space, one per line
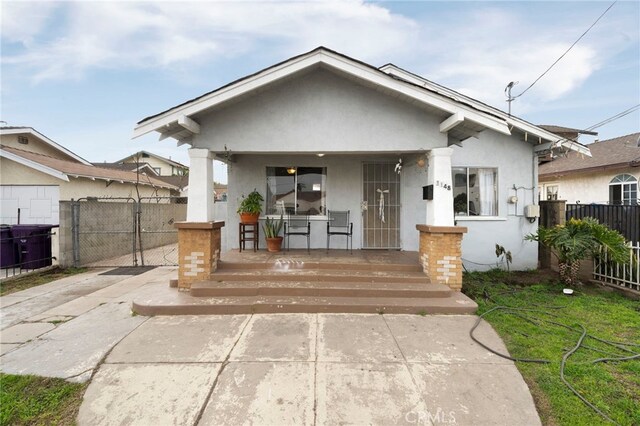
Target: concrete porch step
173 302
324 275
293 264
319 289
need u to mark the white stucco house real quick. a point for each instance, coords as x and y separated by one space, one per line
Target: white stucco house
322 131
609 176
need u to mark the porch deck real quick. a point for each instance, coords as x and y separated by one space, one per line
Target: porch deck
339 281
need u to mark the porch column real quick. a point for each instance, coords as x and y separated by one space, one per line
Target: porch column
440 209
440 241
200 201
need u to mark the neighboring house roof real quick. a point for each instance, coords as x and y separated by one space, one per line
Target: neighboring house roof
562 130
179 181
151 154
467 116
132 167
63 168
19 130
618 152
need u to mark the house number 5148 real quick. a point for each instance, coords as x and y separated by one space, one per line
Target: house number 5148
443 185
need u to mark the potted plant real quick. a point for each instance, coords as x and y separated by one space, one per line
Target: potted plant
579 239
272 229
250 207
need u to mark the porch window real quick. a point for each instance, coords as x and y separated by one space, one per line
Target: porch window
475 191
623 189
296 190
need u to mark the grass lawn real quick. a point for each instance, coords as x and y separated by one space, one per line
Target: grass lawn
32 400
13 285
613 387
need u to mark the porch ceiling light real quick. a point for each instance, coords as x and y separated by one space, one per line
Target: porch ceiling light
291 170
320 155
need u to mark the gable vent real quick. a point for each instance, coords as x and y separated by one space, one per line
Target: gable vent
23 140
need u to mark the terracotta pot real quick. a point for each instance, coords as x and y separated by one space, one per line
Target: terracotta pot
249 217
274 244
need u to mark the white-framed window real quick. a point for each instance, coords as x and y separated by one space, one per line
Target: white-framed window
475 191
296 190
623 189
551 192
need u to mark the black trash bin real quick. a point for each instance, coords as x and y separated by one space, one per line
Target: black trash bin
33 244
7 247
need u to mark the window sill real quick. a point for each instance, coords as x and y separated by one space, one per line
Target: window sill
480 219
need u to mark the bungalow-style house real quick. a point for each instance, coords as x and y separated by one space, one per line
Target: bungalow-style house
322 131
36 173
609 176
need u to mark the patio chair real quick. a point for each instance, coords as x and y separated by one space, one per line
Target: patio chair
338 224
297 225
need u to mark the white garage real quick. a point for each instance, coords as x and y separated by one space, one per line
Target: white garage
29 204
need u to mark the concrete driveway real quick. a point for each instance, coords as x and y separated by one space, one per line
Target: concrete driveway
281 369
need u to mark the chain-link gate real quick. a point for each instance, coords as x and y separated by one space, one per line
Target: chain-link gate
126 232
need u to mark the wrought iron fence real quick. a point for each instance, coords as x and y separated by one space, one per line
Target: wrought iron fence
125 231
25 248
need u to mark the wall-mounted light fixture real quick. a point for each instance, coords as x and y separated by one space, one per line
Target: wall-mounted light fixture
291 170
320 155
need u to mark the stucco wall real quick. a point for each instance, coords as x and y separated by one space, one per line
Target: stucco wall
320 112
586 188
34 145
12 173
516 167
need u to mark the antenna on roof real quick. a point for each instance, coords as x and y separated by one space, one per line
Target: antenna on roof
507 92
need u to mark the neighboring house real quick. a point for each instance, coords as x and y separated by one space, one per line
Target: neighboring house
322 131
161 165
609 176
37 173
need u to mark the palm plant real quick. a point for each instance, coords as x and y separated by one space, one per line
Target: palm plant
579 239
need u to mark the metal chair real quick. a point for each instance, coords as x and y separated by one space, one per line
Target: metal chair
297 225
338 224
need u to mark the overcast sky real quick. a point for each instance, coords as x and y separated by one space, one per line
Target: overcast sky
83 73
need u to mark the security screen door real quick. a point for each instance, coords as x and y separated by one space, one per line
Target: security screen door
380 206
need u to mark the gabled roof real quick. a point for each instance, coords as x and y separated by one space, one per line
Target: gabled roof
181 181
467 116
64 169
19 130
131 167
561 129
613 153
151 154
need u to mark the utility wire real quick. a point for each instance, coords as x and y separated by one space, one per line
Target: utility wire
567 51
614 118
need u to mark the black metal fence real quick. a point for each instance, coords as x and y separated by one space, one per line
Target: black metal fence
622 218
24 248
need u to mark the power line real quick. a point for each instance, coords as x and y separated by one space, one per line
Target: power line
510 99
614 117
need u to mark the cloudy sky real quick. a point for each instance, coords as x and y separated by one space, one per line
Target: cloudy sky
83 73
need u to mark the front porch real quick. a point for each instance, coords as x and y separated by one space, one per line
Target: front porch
297 281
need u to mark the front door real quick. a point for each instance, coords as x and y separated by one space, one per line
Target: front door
380 206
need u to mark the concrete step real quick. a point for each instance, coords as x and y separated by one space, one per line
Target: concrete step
319 289
293 264
324 275
172 302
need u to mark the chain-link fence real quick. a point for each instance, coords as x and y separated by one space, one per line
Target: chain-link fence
126 232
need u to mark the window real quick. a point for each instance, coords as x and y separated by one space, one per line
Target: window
623 189
552 192
296 190
475 191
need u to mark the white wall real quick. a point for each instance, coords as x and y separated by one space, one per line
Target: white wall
516 167
37 204
587 188
320 112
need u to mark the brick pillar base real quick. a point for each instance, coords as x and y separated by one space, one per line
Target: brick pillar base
198 251
440 254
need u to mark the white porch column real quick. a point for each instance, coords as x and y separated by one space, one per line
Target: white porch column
440 209
200 202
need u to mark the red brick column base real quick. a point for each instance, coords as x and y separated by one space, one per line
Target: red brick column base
198 251
441 252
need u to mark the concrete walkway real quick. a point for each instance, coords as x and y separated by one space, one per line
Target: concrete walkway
280 369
